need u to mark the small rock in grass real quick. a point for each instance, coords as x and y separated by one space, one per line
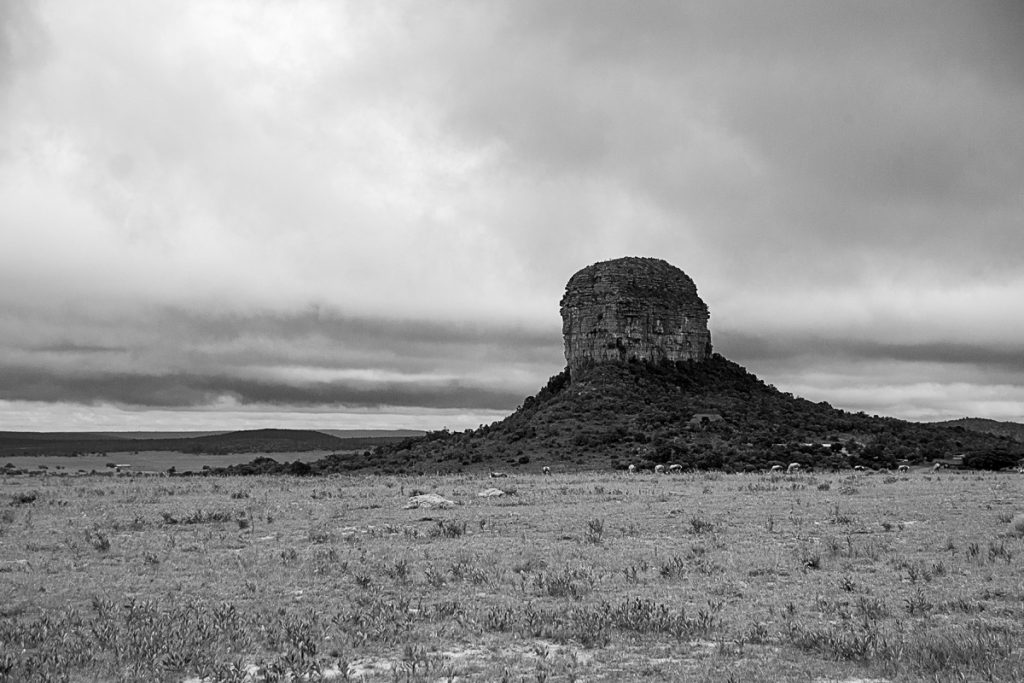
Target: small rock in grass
429 501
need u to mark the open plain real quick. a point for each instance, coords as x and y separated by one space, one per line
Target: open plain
590 576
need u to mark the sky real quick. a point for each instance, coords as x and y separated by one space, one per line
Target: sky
298 213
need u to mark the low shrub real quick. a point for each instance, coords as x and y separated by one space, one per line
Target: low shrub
25 498
1017 524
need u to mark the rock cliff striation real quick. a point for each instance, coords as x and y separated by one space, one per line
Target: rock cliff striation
633 308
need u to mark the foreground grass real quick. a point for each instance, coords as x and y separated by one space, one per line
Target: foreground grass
570 577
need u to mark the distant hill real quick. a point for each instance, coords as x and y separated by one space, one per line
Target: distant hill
374 433
211 443
187 434
1011 430
263 441
702 415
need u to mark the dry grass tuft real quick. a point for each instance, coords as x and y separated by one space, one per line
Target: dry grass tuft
1017 524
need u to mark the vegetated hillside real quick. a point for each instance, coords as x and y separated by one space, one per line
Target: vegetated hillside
1011 430
705 415
246 441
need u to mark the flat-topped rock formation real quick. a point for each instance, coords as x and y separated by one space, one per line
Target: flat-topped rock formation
633 308
706 412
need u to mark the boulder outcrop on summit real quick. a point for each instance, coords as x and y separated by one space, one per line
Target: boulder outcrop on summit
633 309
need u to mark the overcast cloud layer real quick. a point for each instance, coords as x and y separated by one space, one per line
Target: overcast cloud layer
301 213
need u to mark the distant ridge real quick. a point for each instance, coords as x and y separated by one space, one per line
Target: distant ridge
211 443
1010 430
180 434
362 433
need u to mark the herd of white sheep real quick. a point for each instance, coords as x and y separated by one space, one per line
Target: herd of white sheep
792 468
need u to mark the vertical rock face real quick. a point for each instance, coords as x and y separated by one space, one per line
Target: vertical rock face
633 308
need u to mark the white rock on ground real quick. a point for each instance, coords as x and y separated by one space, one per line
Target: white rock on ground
429 501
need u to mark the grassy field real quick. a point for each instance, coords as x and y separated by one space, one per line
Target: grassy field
147 461
595 577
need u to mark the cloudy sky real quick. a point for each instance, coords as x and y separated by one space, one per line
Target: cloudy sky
302 213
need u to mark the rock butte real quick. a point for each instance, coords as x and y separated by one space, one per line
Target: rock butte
633 308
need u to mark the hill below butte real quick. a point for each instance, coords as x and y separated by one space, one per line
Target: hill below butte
642 385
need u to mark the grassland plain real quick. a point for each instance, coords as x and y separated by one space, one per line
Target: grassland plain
147 461
591 576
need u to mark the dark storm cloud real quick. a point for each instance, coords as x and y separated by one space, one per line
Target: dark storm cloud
187 390
72 348
316 340
916 380
307 358
752 349
404 340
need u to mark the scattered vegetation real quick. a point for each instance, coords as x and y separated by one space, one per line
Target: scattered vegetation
575 577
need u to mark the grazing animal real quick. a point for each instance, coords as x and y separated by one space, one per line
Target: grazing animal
793 467
659 469
631 469
546 470
936 467
675 469
776 468
498 475
903 469
858 468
